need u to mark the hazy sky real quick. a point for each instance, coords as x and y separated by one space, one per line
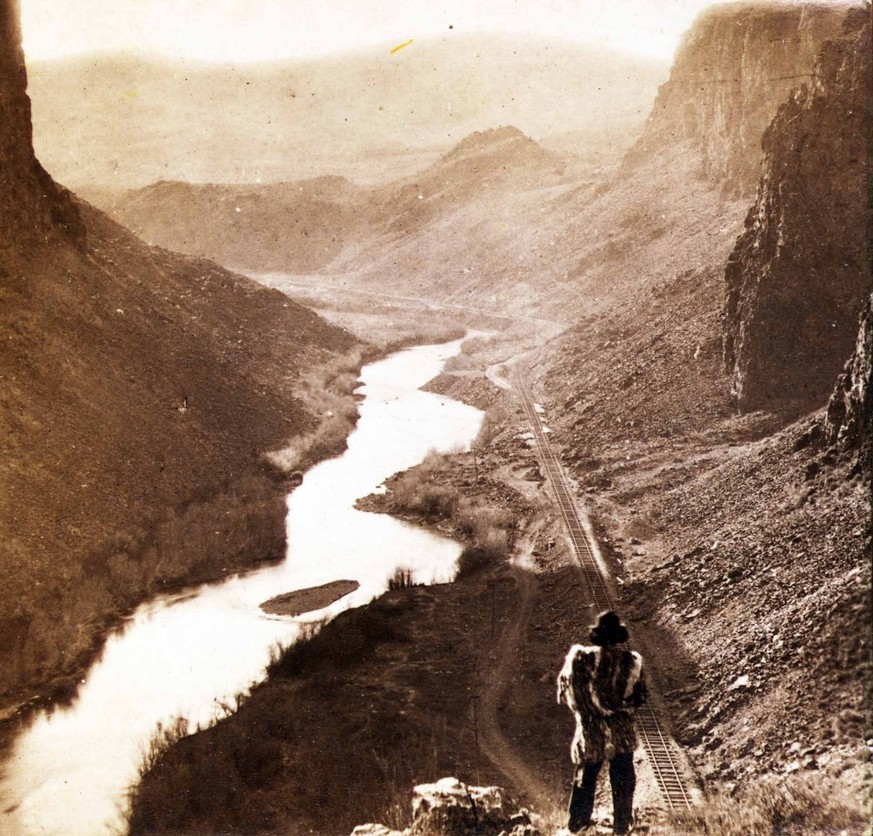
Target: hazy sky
250 30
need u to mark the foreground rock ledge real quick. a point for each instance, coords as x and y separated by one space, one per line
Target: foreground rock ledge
452 807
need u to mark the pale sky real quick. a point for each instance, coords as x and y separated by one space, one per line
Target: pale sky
252 30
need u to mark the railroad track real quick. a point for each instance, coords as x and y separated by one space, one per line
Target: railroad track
659 747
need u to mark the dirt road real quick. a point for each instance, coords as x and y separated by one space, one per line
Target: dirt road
496 746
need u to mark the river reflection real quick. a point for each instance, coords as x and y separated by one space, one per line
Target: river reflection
189 655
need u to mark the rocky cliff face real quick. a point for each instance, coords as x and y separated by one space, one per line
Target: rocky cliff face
797 277
734 68
31 204
850 409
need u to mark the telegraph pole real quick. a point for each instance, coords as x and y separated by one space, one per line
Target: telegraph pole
475 699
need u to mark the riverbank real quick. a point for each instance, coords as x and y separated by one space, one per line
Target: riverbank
238 530
400 691
189 657
383 696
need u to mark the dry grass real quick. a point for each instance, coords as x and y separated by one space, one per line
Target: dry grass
488 531
421 491
327 388
790 806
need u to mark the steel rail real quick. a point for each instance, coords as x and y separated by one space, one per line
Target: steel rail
657 745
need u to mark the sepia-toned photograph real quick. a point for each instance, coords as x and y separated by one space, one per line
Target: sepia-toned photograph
436 418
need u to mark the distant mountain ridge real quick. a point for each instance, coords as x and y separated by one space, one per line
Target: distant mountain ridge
124 121
303 226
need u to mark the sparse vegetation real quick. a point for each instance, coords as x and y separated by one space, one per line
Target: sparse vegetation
419 491
351 718
424 492
227 532
163 738
328 388
795 805
347 641
401 579
494 418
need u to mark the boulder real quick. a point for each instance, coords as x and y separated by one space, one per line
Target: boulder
452 808
376 830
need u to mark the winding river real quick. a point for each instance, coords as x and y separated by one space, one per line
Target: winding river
189 655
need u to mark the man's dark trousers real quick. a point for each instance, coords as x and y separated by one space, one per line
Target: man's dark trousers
623 782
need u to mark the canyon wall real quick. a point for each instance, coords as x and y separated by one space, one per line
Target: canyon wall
797 277
31 204
139 392
850 409
734 68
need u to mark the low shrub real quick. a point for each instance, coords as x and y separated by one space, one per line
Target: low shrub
401 579
798 806
472 560
481 521
352 636
415 493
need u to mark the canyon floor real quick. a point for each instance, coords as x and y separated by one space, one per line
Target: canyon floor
458 679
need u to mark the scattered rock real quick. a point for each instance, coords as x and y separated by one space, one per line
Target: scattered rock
740 682
375 830
452 808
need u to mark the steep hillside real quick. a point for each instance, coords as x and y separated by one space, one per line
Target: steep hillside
799 274
331 225
297 227
744 537
655 241
140 390
734 68
370 114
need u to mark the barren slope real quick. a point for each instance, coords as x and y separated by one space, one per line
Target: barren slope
752 538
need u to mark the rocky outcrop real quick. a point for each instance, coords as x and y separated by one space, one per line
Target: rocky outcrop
453 808
850 409
733 69
32 205
797 276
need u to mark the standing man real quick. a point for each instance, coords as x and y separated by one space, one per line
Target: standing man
603 684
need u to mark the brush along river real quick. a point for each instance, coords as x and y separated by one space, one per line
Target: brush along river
189 655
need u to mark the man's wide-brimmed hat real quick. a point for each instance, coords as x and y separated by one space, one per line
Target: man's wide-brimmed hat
608 629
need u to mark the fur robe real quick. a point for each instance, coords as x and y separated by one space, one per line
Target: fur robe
602 686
